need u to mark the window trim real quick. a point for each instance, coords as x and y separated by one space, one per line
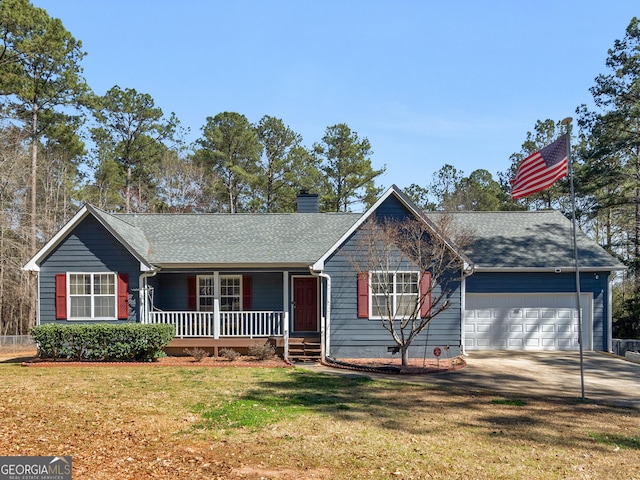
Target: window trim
393 295
217 290
92 296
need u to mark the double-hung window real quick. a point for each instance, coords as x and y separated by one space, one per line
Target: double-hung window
92 296
230 293
394 294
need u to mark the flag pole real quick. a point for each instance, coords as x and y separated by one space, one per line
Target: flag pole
567 123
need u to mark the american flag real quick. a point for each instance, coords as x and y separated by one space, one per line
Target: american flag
541 169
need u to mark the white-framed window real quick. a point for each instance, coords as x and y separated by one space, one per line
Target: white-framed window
393 294
230 293
205 293
92 296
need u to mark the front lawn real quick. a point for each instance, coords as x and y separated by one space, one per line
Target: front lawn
227 423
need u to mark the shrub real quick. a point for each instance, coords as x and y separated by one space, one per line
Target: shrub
228 353
262 352
197 353
128 341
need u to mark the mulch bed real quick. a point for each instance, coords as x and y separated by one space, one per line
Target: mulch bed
163 362
394 366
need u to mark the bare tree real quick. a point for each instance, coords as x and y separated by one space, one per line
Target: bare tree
181 183
412 268
14 230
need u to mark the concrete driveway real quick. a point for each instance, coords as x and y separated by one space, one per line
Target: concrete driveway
607 378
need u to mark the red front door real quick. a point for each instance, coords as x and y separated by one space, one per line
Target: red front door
305 304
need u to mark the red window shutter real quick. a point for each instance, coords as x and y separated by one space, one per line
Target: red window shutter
363 294
191 294
123 296
425 294
61 296
246 292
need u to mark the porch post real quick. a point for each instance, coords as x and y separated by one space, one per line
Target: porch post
142 299
285 307
216 305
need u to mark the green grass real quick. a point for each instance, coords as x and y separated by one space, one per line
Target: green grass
285 397
513 402
617 441
204 423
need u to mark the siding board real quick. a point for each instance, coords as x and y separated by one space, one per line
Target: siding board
353 337
88 248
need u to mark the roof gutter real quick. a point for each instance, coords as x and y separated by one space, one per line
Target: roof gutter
479 269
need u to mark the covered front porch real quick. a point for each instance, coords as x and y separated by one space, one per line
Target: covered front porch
215 330
225 309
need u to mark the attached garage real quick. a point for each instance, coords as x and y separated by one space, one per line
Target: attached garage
536 321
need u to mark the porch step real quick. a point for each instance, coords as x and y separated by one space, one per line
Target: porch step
305 349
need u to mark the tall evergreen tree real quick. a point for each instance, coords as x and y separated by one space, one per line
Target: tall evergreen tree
132 134
612 148
39 71
611 151
346 163
230 149
287 167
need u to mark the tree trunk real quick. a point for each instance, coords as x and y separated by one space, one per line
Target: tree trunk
33 303
404 350
128 189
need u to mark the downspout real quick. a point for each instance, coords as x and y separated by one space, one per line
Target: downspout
142 293
467 270
325 323
609 312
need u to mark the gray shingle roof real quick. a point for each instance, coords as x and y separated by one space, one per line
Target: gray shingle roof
216 239
520 240
540 239
132 236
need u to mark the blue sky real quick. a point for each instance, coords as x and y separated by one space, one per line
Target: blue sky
427 82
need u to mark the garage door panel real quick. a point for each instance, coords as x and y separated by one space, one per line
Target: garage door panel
566 328
516 343
531 328
529 321
530 313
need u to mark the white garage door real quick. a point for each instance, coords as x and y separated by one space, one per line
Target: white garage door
526 321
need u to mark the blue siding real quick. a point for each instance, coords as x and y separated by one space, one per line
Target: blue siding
392 207
88 248
170 289
267 291
353 337
551 283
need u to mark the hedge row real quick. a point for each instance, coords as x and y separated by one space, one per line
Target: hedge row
102 342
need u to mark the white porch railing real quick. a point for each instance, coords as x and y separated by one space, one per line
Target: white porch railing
230 324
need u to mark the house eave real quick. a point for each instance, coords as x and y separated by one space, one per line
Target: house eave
558 269
393 190
33 264
233 266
